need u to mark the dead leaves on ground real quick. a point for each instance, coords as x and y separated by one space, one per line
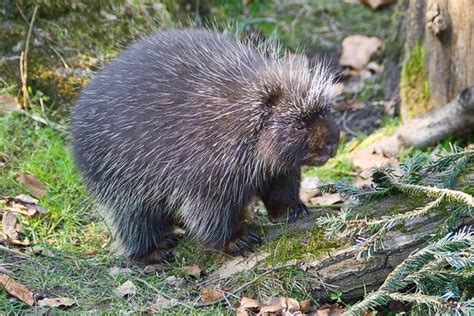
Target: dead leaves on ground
211 295
17 289
193 271
357 51
377 4
56 302
21 292
30 182
126 289
12 230
284 306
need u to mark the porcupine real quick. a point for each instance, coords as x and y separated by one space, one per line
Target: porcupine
191 125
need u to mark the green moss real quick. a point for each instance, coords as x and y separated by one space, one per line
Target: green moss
414 85
293 246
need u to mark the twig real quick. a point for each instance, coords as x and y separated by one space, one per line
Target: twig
13 251
24 62
245 285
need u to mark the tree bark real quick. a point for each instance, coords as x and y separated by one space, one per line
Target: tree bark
445 29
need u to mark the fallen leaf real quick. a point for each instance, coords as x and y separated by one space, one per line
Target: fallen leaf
160 303
8 103
23 198
23 204
357 50
9 222
34 209
211 295
305 306
237 265
274 305
17 289
33 184
377 4
292 305
152 268
330 310
194 270
114 271
309 188
56 302
248 306
367 158
327 199
126 289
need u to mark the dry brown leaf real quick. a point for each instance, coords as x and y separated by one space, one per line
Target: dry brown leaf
126 289
33 184
56 302
238 264
248 306
330 310
194 270
211 295
309 188
26 199
152 268
292 305
327 199
9 222
367 158
17 289
114 271
305 306
23 204
160 303
274 305
357 50
377 4
8 103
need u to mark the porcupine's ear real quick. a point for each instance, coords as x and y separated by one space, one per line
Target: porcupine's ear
271 95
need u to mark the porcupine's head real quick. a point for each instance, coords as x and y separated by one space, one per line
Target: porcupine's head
297 126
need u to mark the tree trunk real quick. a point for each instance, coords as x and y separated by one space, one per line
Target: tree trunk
439 54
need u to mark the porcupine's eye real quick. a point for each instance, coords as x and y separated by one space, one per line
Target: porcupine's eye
300 127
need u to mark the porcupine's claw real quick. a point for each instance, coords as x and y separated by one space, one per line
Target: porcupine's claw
244 243
295 212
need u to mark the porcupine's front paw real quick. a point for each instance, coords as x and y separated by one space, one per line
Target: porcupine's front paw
296 211
244 242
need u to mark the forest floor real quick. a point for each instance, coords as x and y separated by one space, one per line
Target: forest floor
71 256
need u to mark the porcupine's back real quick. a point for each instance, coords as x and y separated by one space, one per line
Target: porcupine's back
168 117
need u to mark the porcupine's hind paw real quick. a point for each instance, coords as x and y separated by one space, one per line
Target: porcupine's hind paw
157 255
161 253
243 243
296 211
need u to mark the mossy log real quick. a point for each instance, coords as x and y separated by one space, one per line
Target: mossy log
454 118
355 277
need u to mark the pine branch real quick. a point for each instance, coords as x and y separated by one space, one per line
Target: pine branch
399 278
433 192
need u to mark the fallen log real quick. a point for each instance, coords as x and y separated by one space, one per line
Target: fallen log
454 118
